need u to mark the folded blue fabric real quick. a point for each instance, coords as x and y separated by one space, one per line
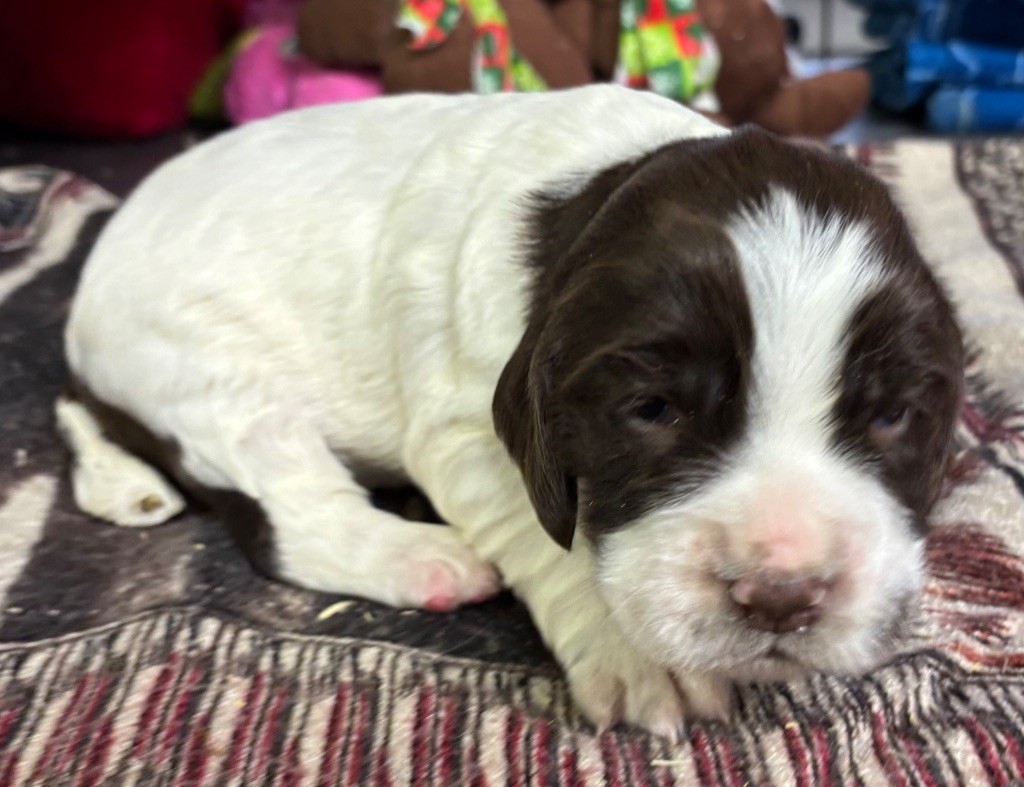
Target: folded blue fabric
960 63
890 87
998 23
956 109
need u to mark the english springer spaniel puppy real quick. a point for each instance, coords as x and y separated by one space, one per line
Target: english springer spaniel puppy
690 394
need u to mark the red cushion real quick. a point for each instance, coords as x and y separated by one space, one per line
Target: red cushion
107 67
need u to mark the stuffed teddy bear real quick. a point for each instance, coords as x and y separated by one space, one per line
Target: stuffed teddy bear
680 48
754 84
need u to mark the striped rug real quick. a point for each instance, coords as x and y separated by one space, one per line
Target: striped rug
156 657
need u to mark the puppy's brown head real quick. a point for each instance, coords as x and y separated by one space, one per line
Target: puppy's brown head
739 381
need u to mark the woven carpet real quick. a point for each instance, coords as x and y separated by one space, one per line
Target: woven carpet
157 657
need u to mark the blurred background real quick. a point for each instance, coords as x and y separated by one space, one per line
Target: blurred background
109 89
830 28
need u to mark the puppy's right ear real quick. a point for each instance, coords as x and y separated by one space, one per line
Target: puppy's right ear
521 421
521 406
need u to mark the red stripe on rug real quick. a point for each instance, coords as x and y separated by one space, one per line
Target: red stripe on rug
514 730
154 704
92 710
447 741
638 764
332 745
612 761
179 713
796 747
244 725
1010 744
986 752
9 770
729 763
361 733
99 754
268 733
702 757
8 765
425 709
196 755
7 720
823 754
924 773
569 770
1001 660
889 763
985 429
540 747
291 772
69 716
381 771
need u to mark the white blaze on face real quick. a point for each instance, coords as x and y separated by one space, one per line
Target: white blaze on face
785 499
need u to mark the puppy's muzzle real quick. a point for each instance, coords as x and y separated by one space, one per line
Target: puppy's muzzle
779 603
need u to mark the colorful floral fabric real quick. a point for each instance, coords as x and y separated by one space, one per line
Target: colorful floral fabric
497 66
663 45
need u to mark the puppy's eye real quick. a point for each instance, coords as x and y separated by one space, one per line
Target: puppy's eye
891 419
654 409
886 428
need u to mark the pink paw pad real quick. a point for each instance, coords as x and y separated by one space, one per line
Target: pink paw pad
440 590
440 603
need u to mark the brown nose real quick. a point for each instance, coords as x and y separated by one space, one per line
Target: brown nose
779 603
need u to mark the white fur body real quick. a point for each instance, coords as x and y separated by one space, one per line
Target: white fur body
364 268
335 292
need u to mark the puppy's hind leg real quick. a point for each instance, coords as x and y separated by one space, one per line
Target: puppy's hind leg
327 535
108 482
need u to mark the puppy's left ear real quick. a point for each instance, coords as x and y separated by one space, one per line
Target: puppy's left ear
521 406
521 421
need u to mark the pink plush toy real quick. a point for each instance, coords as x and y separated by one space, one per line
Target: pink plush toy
268 76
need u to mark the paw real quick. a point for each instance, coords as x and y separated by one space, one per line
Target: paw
120 489
108 482
442 574
612 683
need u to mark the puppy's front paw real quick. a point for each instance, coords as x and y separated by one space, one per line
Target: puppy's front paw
442 574
613 683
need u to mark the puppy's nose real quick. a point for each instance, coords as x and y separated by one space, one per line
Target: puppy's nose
779 603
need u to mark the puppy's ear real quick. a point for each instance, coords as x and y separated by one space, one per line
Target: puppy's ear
520 418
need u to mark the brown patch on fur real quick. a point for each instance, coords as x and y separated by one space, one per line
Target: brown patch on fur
639 300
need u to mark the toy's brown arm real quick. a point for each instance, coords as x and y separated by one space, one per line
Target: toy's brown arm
344 32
